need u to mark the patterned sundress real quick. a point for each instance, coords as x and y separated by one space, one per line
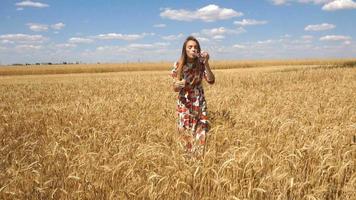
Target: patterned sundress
193 121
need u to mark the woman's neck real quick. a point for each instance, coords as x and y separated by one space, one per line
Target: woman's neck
190 60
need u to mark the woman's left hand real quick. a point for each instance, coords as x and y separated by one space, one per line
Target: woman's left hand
205 55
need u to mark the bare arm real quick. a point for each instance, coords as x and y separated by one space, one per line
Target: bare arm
210 78
178 85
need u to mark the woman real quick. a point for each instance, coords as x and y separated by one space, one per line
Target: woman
188 73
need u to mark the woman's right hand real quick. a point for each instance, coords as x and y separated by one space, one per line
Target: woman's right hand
178 85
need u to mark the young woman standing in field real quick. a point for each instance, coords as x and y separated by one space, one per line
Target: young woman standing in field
188 73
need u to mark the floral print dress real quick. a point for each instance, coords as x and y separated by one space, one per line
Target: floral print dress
192 109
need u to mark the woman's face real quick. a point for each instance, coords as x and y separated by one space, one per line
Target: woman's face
191 49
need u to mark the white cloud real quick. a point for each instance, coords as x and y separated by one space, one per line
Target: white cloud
315 1
58 26
285 2
328 5
173 37
299 41
23 38
31 4
239 46
149 52
286 36
218 37
339 5
319 27
159 25
290 41
217 33
208 13
119 36
37 27
66 45
335 38
162 44
7 42
222 31
19 9
133 48
272 48
148 46
44 27
141 46
112 49
307 37
265 42
202 39
78 40
27 47
279 2
249 22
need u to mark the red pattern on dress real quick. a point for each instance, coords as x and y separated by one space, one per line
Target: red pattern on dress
192 109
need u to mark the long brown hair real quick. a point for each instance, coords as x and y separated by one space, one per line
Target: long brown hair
183 58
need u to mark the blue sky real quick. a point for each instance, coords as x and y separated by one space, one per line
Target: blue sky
130 31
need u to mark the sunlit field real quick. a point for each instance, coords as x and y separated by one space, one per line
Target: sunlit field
278 132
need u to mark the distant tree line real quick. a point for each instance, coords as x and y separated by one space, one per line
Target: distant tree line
47 63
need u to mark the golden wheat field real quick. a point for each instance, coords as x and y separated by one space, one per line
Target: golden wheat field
278 132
